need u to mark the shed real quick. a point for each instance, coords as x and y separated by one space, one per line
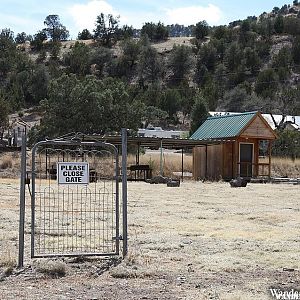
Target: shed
236 145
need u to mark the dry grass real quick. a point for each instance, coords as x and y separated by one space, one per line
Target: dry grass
285 167
6 163
171 162
53 268
199 241
8 260
281 167
10 164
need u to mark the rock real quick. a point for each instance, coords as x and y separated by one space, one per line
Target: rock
159 179
238 182
173 183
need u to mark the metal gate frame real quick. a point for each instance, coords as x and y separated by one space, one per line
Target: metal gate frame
75 142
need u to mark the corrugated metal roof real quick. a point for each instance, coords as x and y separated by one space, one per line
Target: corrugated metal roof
222 126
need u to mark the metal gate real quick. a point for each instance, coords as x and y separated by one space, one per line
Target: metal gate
78 215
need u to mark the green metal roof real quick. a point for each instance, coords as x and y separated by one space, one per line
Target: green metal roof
222 126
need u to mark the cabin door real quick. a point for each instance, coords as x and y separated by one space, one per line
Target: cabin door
246 160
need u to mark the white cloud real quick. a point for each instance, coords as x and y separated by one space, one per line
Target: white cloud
19 24
85 15
193 14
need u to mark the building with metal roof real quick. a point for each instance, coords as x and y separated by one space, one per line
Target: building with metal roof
244 147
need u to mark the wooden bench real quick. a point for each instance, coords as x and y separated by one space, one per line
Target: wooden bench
140 172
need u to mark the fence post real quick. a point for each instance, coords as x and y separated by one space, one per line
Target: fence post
22 202
124 189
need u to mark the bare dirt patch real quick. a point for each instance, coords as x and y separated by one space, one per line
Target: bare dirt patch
198 241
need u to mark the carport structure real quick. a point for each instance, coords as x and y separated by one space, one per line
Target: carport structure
154 143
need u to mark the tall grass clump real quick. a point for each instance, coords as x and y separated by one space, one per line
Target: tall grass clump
285 167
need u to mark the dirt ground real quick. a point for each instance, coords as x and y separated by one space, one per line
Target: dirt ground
197 241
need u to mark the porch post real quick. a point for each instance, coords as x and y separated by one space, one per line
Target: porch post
270 154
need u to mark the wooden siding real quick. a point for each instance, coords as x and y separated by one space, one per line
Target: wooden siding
258 129
208 162
199 161
228 155
214 161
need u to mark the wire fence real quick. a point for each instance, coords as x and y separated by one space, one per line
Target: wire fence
75 219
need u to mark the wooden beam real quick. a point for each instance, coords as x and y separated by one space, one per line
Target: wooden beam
270 154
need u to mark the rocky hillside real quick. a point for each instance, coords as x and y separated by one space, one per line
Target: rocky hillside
251 64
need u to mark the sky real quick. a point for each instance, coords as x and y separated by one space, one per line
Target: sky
76 15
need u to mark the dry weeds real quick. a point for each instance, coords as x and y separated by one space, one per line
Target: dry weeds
286 167
53 268
281 167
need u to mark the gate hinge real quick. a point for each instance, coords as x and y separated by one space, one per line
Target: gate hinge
119 238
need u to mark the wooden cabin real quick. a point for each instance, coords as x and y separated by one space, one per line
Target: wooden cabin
234 145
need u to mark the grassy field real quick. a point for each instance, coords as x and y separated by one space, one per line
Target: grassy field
198 241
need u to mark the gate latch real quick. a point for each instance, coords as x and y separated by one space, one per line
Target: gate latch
119 238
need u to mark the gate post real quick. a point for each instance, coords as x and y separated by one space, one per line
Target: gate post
22 203
124 189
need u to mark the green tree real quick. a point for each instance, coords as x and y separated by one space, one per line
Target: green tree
130 50
149 29
181 62
39 84
162 32
282 62
287 144
21 38
266 83
107 28
199 113
201 30
78 59
283 58
126 32
220 32
279 24
210 92
202 75
150 65
292 26
285 103
187 97
153 115
84 35
4 110
7 34
296 49
170 102
208 56
252 60
233 57
239 100
55 48
89 106
55 30
38 40
101 58
155 32
8 53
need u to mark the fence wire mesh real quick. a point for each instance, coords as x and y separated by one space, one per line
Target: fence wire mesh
75 219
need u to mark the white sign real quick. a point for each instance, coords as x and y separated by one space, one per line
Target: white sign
73 173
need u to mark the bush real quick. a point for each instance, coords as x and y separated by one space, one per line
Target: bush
54 268
6 163
287 144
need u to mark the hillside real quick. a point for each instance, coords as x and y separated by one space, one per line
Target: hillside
251 64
